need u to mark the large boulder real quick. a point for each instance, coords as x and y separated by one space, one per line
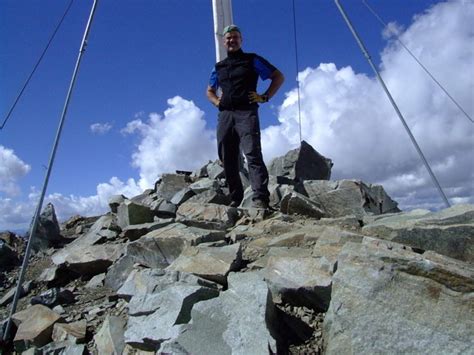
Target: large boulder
129 213
170 184
239 321
387 299
349 197
8 257
449 232
303 163
208 216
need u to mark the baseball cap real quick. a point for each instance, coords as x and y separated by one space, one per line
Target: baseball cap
230 28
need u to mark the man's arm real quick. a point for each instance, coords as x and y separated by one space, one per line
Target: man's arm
277 78
212 96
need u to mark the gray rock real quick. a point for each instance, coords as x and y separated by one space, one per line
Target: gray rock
162 316
210 196
208 216
96 281
295 203
115 201
170 184
130 212
215 170
110 338
89 260
204 185
143 282
392 301
136 231
303 163
448 232
349 197
236 321
299 280
212 263
182 196
48 231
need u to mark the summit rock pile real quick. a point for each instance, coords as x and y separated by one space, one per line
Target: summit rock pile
333 268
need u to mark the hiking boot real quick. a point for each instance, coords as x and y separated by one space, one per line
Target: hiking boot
260 204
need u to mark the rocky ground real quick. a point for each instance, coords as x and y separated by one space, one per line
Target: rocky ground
333 268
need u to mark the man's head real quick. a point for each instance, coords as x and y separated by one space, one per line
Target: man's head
232 38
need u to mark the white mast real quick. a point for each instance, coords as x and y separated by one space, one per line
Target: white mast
222 11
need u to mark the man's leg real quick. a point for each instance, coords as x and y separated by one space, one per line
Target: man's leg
248 128
228 149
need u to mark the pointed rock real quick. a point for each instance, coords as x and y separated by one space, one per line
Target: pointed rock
303 163
109 339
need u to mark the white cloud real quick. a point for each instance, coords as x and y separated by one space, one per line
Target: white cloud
178 140
347 117
17 215
392 29
12 168
100 128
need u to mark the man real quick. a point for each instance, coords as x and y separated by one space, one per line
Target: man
238 122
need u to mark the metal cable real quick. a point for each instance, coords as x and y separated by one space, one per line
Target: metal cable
392 101
297 69
417 60
36 65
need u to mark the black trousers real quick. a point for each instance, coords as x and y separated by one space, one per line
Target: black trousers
241 128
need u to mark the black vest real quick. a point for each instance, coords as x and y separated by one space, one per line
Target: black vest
237 77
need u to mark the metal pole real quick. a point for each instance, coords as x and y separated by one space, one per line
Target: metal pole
34 224
222 14
367 55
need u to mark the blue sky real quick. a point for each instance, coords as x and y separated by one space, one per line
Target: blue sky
139 107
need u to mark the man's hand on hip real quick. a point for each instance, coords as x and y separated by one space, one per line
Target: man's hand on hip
256 98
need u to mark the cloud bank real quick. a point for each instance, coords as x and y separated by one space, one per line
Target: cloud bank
12 169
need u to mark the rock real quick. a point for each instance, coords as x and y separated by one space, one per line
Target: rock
35 327
299 280
448 232
182 196
233 323
63 347
8 257
204 185
96 281
142 282
136 231
47 232
212 263
349 197
115 201
215 170
170 184
90 260
295 203
73 332
158 249
210 196
208 216
392 300
109 339
129 213
157 317
300 164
